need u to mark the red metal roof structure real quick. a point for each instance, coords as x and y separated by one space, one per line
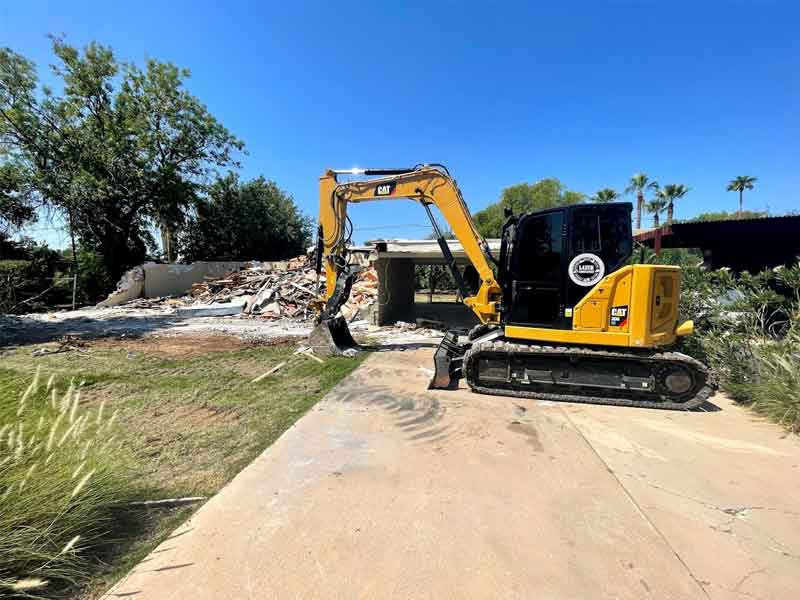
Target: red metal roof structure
740 244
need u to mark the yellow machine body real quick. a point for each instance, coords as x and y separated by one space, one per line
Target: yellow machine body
650 295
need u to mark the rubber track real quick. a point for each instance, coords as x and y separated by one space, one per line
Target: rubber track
502 347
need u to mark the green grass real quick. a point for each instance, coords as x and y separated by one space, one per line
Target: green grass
184 426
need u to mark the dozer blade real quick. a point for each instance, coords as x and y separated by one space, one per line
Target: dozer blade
331 337
447 363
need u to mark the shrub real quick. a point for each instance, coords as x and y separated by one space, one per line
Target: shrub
12 278
777 390
94 281
62 483
29 276
748 331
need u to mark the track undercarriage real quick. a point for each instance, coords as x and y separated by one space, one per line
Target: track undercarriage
647 379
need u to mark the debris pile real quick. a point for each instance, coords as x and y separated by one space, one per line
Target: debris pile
272 290
363 294
157 302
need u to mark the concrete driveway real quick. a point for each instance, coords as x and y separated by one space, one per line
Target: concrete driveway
387 490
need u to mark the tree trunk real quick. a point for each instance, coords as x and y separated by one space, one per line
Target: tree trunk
75 266
166 242
639 207
655 220
741 193
670 208
431 282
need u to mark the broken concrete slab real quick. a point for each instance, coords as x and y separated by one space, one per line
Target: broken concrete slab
235 307
129 287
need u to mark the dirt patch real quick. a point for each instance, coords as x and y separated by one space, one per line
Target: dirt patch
187 346
183 346
529 431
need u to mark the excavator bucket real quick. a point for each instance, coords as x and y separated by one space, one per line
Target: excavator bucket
447 363
331 337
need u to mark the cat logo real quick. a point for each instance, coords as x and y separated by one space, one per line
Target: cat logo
385 189
619 316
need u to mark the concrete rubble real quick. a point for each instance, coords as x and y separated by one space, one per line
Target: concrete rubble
261 301
282 290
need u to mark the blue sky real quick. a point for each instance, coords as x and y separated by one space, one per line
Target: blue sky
589 92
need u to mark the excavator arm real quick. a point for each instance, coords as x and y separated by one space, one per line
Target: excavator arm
426 184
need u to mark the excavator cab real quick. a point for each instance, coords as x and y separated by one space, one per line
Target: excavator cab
550 260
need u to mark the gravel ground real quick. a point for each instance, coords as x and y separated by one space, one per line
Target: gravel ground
92 323
119 322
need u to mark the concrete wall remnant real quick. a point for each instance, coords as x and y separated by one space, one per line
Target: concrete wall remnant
395 291
129 287
152 280
175 280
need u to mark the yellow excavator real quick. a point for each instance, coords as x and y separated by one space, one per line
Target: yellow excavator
563 316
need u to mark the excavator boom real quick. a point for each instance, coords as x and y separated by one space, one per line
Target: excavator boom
426 184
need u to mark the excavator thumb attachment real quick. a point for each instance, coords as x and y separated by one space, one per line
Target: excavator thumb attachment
331 337
447 363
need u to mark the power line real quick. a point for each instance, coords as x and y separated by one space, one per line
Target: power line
392 227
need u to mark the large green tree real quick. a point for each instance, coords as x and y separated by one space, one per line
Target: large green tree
524 197
16 201
740 184
244 221
119 150
639 184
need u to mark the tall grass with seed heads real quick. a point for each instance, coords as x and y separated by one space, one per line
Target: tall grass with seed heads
63 483
748 331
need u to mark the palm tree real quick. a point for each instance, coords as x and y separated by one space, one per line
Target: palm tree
740 184
673 191
638 184
605 195
657 205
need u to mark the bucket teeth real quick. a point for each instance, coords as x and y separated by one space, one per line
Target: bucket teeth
331 337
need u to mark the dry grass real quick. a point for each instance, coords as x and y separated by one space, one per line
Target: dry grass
64 477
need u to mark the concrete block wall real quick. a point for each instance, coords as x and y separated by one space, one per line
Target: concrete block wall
395 291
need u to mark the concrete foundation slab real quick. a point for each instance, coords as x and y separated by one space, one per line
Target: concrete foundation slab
387 490
723 487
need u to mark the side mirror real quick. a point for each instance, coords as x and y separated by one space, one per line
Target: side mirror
507 212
